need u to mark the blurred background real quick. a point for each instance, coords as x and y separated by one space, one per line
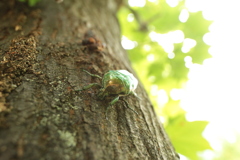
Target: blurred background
187 54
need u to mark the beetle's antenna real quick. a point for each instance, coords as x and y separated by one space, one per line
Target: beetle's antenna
88 86
135 94
93 75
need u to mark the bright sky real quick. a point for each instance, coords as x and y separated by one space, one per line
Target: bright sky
213 90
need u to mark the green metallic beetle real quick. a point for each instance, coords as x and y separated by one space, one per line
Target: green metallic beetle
115 83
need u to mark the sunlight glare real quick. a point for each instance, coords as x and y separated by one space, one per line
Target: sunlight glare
188 61
188 43
150 57
163 41
130 17
176 94
147 47
162 97
194 5
127 43
137 3
171 55
177 36
152 0
154 90
167 40
214 51
172 3
151 78
208 38
184 15
162 119
167 70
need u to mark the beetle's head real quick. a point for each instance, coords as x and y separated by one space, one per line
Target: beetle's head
113 87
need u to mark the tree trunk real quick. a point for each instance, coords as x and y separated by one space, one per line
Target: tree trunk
43 50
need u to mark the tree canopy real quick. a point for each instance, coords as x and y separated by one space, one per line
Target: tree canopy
163 39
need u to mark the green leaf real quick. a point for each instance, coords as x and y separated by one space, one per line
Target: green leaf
187 136
164 72
195 28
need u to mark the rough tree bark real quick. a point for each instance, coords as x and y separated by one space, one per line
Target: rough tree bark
43 50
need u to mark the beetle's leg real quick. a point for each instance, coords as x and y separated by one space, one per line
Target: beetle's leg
135 94
128 106
101 94
114 100
93 75
88 86
111 103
